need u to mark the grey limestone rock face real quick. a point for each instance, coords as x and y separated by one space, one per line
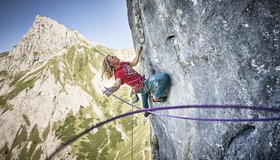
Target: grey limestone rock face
216 52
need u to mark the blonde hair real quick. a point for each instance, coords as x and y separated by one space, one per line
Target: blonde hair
107 70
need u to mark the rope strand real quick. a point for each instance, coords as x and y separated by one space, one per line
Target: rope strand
132 134
151 110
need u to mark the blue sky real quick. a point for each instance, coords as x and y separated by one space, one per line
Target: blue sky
100 21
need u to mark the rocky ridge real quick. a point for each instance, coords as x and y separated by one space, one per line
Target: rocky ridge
51 89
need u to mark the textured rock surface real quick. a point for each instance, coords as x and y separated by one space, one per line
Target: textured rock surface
217 52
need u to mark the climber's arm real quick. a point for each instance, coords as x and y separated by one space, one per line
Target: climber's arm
116 86
135 61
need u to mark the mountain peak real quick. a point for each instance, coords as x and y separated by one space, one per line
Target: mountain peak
43 19
45 38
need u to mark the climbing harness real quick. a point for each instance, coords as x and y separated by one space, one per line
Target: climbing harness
151 110
134 97
140 84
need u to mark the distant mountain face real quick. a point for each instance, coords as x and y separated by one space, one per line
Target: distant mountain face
51 89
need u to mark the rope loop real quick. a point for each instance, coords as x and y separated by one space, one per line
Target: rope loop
151 110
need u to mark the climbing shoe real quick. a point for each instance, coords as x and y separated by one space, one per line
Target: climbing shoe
146 114
163 99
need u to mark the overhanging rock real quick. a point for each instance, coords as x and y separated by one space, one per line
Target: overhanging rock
217 52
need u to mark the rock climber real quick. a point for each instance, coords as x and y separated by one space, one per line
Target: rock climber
155 87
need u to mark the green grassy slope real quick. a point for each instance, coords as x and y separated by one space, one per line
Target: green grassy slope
107 142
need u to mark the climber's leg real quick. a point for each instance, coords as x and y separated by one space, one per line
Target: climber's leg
145 100
145 90
145 96
160 83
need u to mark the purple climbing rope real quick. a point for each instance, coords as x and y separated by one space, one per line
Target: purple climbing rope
151 110
260 108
